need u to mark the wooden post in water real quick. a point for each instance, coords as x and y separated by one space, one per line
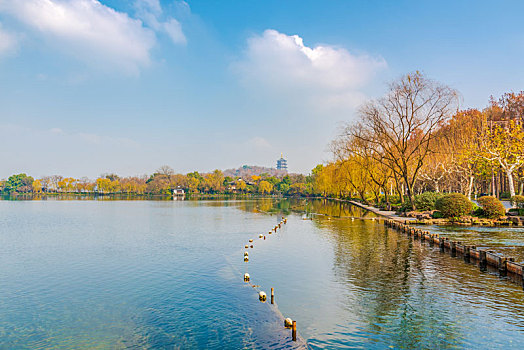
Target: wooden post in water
441 243
294 331
502 266
453 248
482 260
467 255
272 295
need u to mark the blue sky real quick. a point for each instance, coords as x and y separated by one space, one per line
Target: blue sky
88 87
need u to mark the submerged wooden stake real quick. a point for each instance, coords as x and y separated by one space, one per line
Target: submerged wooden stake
503 266
482 260
294 331
453 246
467 253
272 295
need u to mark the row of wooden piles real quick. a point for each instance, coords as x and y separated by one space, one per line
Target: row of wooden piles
288 323
484 257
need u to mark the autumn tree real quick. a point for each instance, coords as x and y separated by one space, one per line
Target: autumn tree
158 183
240 185
103 185
459 142
214 182
67 184
265 187
504 145
193 181
37 186
84 185
401 125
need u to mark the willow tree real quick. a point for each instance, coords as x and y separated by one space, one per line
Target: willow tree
357 154
401 126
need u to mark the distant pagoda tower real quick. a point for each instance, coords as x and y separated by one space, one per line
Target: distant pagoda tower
282 163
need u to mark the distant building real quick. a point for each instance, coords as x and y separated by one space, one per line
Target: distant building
178 192
282 163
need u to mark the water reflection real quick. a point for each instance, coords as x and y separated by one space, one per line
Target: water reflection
389 284
506 240
129 274
166 274
357 284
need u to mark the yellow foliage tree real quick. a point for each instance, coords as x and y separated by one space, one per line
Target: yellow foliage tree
37 186
265 187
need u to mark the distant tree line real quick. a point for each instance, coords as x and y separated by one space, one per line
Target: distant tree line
161 182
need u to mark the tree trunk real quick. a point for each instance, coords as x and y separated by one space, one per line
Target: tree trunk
509 174
411 195
493 190
470 186
400 194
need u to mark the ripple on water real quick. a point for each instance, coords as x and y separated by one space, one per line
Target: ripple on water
168 275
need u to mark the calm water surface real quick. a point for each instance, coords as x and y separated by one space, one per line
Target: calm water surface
165 274
508 241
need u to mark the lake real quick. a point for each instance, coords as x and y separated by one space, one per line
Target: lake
116 274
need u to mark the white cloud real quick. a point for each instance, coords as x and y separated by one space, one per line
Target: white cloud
73 153
87 29
151 6
150 11
7 41
173 28
56 131
259 143
327 74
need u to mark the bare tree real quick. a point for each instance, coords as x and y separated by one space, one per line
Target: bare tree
50 183
399 127
165 170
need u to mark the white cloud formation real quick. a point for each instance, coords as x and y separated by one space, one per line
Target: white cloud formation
88 30
150 11
7 41
173 28
74 153
284 64
259 143
151 6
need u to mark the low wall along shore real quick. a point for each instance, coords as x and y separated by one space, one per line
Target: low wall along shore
485 258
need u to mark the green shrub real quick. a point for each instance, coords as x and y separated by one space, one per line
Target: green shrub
437 215
406 206
505 195
477 211
517 201
454 205
492 207
517 211
394 199
427 200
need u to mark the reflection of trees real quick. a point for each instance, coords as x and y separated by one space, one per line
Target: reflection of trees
309 207
387 277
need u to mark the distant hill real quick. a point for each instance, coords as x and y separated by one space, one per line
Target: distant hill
246 171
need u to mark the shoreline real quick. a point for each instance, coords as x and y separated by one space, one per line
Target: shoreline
486 259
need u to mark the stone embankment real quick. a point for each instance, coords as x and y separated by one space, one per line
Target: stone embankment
486 259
